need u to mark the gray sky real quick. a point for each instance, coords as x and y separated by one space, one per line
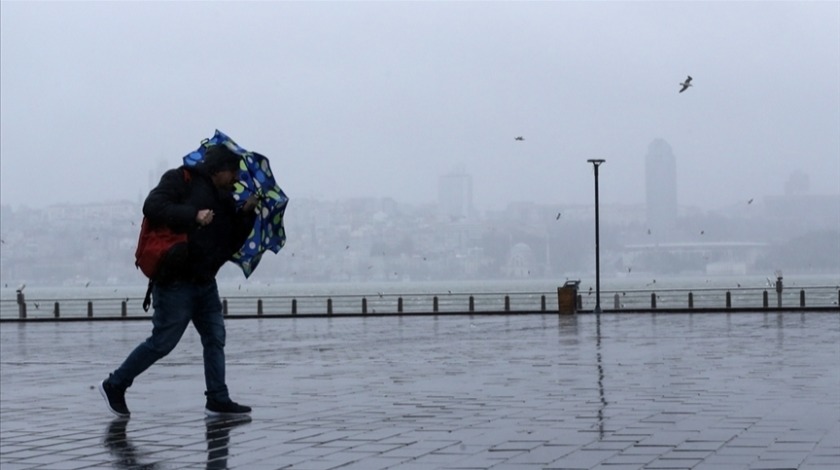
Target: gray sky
380 99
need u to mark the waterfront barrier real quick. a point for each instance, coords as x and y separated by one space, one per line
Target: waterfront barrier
809 298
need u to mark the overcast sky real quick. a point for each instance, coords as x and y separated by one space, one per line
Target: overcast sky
380 99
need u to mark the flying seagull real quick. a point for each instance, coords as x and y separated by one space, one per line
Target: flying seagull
519 138
686 84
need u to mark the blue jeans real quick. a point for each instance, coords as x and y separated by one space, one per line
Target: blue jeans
175 305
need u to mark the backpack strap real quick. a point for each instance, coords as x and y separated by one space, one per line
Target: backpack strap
147 301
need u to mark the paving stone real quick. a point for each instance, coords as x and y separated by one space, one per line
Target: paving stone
615 391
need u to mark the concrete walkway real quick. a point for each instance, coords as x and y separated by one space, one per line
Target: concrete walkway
619 391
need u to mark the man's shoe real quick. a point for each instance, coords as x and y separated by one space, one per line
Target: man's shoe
225 408
115 399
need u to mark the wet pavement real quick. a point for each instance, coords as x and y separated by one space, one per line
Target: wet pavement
619 391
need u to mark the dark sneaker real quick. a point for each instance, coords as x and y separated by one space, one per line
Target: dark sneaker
225 408
115 399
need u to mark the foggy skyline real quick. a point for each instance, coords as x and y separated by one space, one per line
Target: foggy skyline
354 99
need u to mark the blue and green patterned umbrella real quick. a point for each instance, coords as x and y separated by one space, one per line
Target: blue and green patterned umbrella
255 177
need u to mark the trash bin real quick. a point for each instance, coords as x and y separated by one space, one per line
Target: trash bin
567 297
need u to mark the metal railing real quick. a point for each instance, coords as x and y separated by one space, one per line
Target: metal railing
814 298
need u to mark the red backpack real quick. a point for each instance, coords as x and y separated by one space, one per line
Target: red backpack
152 248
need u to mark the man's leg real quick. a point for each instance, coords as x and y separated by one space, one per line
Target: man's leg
210 324
173 306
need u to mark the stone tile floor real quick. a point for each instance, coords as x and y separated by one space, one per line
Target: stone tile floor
612 392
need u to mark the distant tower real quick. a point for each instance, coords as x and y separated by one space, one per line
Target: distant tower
455 196
661 189
155 174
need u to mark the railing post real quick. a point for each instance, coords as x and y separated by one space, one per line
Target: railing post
56 310
542 303
507 303
472 304
766 299
779 288
259 307
435 304
691 300
802 298
224 307
399 305
90 309
728 300
123 308
294 306
653 300
21 301
616 302
364 305
329 306
579 303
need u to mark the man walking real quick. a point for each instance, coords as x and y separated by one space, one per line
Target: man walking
197 201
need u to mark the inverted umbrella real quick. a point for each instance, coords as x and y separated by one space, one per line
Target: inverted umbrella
255 178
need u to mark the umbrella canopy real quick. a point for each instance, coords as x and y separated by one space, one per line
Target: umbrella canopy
255 177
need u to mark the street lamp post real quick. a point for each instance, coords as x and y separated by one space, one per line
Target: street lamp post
595 164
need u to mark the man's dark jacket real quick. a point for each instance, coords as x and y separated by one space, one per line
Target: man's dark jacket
175 202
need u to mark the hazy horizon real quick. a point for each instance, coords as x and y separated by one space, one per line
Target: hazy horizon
359 99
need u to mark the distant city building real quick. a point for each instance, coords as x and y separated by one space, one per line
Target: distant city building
455 195
661 189
155 174
520 262
803 211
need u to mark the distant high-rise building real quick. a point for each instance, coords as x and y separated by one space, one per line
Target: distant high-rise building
455 194
154 174
661 188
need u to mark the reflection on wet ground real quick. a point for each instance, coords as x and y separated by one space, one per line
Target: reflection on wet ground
526 392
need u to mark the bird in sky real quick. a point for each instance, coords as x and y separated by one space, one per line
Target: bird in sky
520 138
686 84
750 201
558 216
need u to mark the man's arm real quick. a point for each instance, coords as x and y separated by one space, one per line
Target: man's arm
243 223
